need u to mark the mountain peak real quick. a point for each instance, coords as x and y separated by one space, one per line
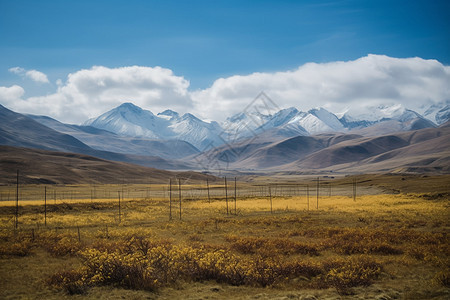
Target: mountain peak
318 110
128 106
189 116
168 114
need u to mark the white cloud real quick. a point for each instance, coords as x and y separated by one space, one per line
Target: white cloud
11 94
37 76
17 70
356 85
34 75
90 92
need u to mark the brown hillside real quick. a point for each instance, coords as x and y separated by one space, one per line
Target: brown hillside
41 166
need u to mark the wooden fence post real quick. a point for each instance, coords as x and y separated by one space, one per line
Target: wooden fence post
45 205
118 193
207 187
235 196
317 205
179 193
307 195
226 193
270 198
16 223
170 199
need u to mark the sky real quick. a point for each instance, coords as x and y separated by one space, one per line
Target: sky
73 60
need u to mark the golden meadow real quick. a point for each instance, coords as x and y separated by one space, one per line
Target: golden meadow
287 240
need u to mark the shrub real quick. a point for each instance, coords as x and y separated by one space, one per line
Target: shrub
165 264
128 271
70 281
61 245
344 274
16 248
357 241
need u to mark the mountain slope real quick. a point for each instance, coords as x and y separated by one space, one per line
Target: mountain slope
385 120
107 141
22 131
425 149
50 167
130 120
289 150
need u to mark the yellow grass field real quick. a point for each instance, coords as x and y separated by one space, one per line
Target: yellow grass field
377 246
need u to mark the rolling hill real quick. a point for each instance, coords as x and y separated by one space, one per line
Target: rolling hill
416 150
50 167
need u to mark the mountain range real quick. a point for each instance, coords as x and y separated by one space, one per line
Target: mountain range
20 130
390 138
130 120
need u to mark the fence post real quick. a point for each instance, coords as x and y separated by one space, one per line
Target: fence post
45 205
307 195
207 187
17 202
170 199
179 193
235 197
317 205
270 198
118 193
226 193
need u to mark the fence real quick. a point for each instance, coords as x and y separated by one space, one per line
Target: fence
207 191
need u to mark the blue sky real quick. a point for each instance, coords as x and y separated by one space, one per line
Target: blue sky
206 40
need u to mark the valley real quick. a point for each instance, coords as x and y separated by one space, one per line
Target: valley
315 208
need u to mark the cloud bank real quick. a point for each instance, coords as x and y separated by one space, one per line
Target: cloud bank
90 92
352 86
34 75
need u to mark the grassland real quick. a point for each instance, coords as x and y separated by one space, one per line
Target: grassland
384 245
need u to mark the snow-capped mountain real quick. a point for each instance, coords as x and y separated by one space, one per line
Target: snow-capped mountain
380 113
443 115
244 124
201 134
438 112
319 120
375 115
131 120
290 121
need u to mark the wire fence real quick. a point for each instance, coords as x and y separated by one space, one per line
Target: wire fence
206 191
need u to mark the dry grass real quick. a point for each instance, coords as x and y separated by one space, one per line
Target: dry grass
380 245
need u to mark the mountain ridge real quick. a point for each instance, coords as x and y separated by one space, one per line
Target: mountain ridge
411 142
128 119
